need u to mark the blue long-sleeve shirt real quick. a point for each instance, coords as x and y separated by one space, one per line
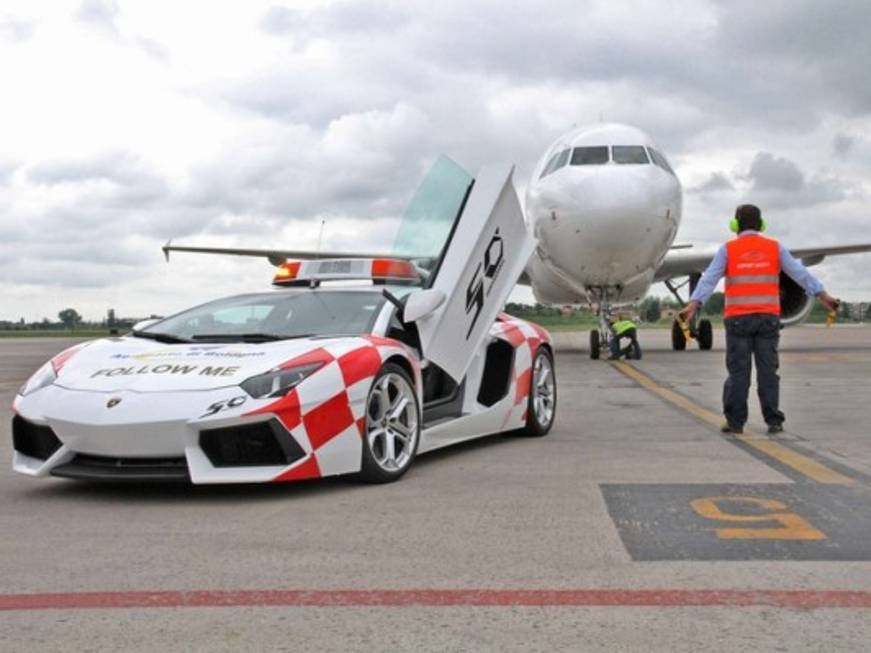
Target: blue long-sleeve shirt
788 263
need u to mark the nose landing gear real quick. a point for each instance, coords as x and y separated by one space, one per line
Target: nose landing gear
600 338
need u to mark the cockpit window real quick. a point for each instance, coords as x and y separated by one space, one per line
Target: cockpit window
585 156
556 162
550 166
629 154
660 160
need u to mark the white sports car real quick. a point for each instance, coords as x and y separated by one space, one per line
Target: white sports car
317 377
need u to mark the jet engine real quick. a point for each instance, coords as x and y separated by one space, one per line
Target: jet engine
795 305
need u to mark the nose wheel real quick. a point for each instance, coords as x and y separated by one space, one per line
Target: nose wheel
601 338
595 345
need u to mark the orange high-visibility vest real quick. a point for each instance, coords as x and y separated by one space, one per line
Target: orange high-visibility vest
752 276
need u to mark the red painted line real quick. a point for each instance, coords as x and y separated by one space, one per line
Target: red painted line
800 599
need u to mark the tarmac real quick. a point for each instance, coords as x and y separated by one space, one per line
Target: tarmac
634 526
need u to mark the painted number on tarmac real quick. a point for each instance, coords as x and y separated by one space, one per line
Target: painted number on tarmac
792 526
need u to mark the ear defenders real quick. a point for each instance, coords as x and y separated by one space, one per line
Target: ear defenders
733 225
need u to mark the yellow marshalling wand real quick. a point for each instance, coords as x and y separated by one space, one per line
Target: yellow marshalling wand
685 327
832 316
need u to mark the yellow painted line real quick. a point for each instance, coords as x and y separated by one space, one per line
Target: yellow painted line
796 357
784 455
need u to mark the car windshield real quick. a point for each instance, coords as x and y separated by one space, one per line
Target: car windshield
274 316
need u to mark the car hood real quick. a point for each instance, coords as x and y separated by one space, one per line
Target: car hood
141 365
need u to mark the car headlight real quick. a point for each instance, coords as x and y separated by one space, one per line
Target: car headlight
47 374
44 376
277 383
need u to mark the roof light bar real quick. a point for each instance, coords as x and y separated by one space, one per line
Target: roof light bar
381 269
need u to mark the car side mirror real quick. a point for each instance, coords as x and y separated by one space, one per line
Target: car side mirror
422 303
144 324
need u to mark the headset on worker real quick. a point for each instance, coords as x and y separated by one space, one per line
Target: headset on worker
748 208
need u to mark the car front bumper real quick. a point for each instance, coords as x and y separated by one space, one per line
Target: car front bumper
152 437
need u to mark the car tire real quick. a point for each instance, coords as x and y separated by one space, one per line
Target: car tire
391 435
541 403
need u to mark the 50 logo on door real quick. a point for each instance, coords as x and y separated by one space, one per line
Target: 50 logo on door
485 274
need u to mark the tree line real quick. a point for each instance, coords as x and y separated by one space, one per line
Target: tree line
654 309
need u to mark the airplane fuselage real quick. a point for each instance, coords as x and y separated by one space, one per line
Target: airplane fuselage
605 206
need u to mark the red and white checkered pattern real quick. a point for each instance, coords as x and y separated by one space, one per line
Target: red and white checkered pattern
326 414
525 337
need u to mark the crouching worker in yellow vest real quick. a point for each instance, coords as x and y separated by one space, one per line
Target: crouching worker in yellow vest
751 264
624 329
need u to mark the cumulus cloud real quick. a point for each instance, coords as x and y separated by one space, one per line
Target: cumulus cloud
115 166
7 168
716 182
769 172
779 182
842 144
281 20
99 13
254 126
348 17
103 16
14 30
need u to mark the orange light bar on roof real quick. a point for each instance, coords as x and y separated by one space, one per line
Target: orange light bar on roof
386 268
381 270
286 272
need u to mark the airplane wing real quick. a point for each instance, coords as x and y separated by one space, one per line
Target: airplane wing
685 261
278 256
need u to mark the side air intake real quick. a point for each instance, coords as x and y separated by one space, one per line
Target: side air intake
33 440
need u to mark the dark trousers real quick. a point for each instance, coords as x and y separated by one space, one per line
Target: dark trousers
633 342
748 337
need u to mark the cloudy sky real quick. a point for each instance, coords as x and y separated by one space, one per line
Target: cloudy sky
124 124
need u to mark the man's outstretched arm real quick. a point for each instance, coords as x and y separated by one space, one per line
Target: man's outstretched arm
796 271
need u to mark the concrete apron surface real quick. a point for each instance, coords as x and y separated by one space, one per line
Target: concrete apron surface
634 525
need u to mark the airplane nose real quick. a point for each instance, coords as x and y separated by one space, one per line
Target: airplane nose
606 234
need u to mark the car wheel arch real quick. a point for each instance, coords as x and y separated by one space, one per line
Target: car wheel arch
404 363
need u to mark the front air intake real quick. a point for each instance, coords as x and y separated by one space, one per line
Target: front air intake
84 467
33 440
251 445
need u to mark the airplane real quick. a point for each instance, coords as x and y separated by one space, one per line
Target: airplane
604 206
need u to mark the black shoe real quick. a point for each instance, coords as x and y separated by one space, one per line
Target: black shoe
728 428
775 428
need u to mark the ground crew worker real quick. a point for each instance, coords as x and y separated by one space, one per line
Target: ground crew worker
752 264
623 329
